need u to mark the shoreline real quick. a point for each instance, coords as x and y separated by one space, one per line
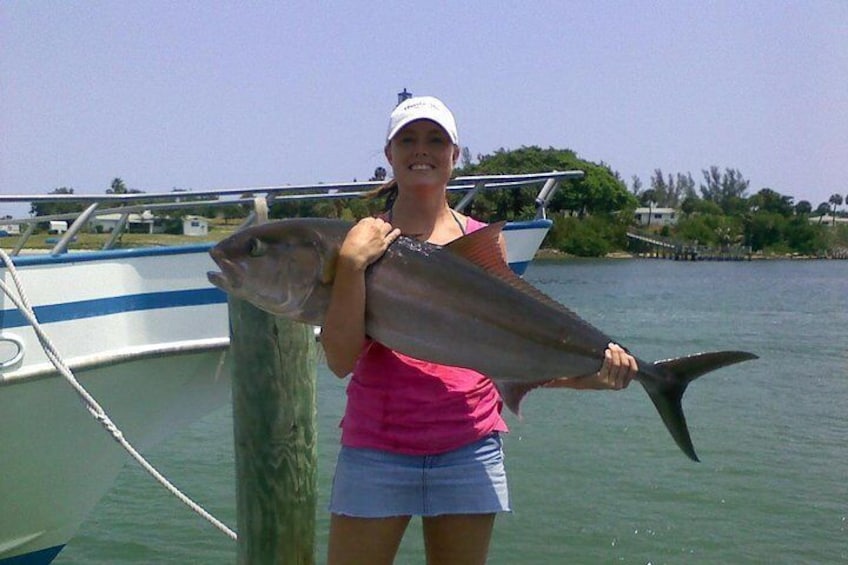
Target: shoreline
552 255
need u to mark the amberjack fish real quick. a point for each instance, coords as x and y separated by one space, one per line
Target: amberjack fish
458 304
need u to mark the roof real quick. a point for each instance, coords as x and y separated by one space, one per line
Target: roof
144 217
646 210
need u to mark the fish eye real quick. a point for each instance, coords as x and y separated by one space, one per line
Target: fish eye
256 248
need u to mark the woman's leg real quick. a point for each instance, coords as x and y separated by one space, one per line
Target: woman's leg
364 541
458 539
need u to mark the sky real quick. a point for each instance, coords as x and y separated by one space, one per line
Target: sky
206 94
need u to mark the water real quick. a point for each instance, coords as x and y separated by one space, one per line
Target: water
594 477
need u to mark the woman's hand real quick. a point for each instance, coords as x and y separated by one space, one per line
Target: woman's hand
343 330
618 370
366 242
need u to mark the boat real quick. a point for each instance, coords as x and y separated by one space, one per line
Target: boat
145 333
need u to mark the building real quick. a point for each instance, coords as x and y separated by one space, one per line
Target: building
828 220
136 223
656 216
195 226
10 229
58 226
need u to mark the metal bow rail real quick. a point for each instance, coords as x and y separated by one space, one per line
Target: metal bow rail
136 203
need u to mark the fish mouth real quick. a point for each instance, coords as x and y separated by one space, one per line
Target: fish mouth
231 276
219 280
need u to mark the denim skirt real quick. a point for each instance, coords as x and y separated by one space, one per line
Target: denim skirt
370 483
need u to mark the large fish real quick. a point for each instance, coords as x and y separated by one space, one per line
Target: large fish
456 305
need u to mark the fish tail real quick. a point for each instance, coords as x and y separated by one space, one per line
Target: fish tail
667 392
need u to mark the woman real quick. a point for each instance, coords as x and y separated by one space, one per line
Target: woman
418 438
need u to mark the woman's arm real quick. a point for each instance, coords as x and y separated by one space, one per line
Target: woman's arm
343 330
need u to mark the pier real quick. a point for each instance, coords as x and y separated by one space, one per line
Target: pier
659 247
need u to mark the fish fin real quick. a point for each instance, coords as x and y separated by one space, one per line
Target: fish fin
667 393
512 393
482 248
328 269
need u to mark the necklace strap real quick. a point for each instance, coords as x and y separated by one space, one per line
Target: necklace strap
455 218
458 222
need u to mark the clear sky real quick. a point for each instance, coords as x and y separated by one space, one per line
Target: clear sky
206 94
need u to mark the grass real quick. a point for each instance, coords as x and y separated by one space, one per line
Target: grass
94 241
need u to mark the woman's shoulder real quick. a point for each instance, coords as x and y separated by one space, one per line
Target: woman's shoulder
473 224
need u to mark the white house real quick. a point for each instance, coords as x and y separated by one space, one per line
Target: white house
656 216
10 229
136 223
58 226
195 226
828 220
106 223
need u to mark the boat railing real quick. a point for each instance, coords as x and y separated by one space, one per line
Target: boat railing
126 204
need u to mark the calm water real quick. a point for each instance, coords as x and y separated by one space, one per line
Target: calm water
594 477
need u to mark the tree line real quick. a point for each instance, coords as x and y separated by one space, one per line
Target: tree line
721 213
592 215
172 220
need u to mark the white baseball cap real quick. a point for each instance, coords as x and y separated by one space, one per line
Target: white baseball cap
422 108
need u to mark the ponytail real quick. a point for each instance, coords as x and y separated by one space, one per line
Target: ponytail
389 190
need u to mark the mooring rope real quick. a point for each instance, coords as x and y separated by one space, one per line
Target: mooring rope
91 404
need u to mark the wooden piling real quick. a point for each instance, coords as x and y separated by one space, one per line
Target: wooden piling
275 432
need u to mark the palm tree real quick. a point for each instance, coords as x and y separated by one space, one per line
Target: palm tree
118 187
647 199
822 211
803 208
836 200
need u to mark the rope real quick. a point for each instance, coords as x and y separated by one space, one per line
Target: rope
91 404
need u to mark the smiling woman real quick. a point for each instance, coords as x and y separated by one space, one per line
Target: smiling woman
404 415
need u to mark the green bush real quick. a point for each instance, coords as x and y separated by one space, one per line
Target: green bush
589 237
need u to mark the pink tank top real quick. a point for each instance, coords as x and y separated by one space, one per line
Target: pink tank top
404 405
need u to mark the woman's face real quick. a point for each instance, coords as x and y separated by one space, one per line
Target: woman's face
422 154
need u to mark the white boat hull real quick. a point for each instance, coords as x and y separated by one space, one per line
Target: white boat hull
64 462
523 240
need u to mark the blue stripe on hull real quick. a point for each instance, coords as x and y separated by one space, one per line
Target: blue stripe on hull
40 557
519 267
12 318
528 225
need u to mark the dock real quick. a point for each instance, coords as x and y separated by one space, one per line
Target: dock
655 246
